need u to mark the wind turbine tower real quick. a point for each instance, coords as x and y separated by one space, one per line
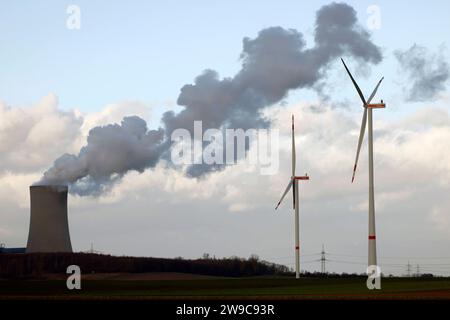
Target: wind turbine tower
293 183
367 119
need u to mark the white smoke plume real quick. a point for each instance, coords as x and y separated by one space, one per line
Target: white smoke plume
273 63
111 151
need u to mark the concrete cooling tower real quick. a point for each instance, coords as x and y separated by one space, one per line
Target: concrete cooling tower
49 226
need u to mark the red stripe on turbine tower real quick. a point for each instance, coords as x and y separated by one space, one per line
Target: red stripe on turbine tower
297 248
372 237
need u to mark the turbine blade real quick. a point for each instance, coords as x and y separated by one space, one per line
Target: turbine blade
355 84
293 148
293 195
361 138
374 91
284 194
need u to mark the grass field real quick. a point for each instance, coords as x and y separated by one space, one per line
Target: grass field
221 288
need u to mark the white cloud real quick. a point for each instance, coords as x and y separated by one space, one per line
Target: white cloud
385 199
14 187
29 137
440 217
326 143
4 233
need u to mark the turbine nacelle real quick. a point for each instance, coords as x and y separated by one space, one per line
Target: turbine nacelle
380 105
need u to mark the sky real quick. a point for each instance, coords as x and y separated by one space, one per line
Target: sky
132 59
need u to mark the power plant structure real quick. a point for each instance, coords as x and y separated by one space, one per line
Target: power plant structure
49 225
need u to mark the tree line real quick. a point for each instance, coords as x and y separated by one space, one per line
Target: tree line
34 265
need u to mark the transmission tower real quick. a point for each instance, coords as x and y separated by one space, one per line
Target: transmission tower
322 260
92 250
408 269
417 271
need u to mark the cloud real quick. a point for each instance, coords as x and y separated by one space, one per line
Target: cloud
384 199
426 73
404 150
440 217
327 142
115 112
4 233
422 152
29 137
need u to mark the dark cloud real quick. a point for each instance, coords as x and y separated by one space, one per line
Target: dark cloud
427 73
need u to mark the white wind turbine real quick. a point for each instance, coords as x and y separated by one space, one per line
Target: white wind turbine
367 117
293 183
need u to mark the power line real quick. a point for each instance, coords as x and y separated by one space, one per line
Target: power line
424 267
348 262
365 257
387 257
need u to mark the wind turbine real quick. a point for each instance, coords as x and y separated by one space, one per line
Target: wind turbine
293 183
367 117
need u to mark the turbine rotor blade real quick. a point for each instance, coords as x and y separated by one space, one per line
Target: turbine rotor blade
361 138
355 84
293 194
284 194
374 91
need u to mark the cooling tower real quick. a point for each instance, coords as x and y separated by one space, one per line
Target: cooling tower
49 226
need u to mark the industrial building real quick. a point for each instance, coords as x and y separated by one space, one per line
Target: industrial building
49 225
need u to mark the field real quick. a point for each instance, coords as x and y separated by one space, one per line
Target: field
176 286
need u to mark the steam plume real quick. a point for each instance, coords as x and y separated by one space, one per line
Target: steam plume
273 63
